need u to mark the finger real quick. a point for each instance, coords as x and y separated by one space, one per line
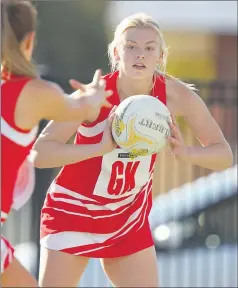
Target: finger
173 123
97 76
111 118
175 131
77 85
169 118
112 111
169 153
108 124
174 120
173 128
174 141
102 83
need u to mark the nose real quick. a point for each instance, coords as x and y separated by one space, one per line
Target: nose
140 57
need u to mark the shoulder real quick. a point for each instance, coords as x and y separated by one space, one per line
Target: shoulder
38 96
42 87
14 88
43 84
15 84
180 94
178 85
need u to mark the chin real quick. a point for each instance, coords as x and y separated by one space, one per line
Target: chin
137 75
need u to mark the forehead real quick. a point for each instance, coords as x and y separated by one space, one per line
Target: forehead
141 35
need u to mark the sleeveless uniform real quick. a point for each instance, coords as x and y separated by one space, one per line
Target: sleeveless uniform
17 172
99 207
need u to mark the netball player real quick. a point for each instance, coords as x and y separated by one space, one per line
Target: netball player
98 204
25 100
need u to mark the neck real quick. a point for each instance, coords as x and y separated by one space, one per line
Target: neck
128 87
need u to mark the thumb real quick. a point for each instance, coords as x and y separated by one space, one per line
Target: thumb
76 85
111 117
112 111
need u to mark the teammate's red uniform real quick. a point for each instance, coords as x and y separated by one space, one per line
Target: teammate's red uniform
99 207
17 177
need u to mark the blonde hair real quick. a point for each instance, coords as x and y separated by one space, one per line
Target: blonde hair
141 20
18 18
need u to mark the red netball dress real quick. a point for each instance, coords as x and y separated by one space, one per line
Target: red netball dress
99 207
17 173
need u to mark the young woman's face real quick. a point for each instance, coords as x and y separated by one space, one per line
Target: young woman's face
138 52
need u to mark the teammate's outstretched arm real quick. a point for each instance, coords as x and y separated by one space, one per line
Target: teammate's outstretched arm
43 100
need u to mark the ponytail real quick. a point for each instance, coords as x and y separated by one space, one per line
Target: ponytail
19 16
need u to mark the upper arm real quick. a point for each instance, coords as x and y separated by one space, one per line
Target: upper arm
197 115
37 101
51 101
41 99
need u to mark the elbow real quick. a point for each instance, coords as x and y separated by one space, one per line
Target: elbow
39 164
37 160
229 157
227 163
227 160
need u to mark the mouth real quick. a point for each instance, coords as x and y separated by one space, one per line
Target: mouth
139 66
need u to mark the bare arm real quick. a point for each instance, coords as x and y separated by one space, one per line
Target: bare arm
44 100
50 149
214 152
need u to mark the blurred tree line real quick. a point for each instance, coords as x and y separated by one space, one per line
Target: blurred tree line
72 39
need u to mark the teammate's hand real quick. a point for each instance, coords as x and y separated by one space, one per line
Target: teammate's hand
107 143
94 95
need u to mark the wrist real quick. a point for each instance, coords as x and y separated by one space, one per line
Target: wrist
78 104
186 155
102 149
85 108
97 150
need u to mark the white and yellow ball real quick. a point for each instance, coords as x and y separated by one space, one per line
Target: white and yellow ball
141 125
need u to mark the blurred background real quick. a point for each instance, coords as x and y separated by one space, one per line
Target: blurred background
194 217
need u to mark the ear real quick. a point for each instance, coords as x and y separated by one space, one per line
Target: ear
116 55
160 58
29 40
